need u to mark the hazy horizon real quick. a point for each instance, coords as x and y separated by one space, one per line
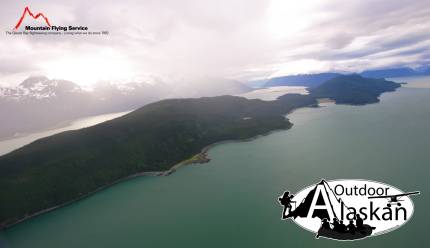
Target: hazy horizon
243 40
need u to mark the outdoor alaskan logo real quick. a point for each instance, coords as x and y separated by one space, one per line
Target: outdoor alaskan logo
348 209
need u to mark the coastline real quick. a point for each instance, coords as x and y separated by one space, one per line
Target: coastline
201 157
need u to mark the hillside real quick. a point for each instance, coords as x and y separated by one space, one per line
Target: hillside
307 80
353 89
66 166
56 101
314 80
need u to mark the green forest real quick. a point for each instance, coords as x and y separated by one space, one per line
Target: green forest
63 167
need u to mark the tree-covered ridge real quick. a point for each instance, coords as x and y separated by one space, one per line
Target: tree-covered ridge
353 89
66 166
307 80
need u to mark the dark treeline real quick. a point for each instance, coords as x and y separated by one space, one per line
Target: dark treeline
66 166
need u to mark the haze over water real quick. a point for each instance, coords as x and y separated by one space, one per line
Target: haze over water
232 201
9 145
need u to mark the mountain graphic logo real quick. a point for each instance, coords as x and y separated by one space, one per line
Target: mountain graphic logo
348 209
325 194
27 12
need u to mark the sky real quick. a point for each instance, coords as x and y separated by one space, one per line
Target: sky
237 39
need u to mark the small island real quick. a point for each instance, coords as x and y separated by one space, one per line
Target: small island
152 140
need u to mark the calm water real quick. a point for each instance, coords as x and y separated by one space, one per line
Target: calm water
231 201
271 93
9 145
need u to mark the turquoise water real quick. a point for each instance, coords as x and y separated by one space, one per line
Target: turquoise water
231 201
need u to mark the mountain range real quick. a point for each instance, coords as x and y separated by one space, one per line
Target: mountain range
40 103
313 80
396 72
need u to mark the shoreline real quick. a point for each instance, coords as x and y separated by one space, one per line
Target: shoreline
201 157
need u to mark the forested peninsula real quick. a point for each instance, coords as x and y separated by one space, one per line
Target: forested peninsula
64 167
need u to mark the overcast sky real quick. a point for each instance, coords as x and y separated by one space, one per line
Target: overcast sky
240 39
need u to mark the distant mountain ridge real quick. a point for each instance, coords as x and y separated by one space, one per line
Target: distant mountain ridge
307 80
40 103
353 89
395 72
39 88
313 80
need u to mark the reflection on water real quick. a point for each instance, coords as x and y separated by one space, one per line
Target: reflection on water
413 82
9 145
271 93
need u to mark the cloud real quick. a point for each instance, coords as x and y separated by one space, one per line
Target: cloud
237 39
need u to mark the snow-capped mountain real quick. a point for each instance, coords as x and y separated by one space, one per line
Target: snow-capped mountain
41 103
40 88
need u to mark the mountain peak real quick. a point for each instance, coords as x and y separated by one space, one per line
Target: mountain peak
30 82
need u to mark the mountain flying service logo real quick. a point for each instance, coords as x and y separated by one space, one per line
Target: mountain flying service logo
348 209
44 26
26 12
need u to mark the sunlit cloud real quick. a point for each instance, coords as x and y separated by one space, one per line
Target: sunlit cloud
239 39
